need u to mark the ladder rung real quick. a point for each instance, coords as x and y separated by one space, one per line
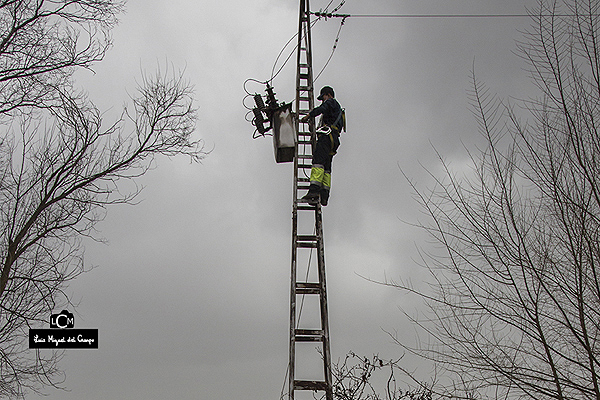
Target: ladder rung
310 385
305 156
306 208
308 291
308 288
308 335
307 245
307 285
309 332
306 166
306 241
304 238
303 179
302 187
308 339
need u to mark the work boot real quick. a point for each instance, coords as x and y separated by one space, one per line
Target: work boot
324 197
311 197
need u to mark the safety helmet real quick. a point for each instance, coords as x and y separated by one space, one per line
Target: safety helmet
326 90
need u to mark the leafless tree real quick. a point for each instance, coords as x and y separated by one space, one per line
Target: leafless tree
42 42
61 164
363 378
515 306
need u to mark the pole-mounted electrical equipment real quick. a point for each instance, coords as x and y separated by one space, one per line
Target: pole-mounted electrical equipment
281 120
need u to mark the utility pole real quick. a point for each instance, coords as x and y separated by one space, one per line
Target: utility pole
309 369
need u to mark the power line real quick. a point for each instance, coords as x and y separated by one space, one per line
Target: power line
335 43
332 15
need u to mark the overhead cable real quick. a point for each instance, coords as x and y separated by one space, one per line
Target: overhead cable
273 73
333 15
335 43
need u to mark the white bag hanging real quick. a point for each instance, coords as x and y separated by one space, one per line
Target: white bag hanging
284 134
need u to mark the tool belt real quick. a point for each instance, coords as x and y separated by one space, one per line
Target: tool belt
328 131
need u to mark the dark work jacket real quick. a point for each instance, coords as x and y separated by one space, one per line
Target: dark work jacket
331 110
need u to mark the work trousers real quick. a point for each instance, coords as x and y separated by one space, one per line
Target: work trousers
320 174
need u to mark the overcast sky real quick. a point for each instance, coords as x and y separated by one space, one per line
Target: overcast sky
191 293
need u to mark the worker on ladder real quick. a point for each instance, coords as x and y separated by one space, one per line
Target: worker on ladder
328 141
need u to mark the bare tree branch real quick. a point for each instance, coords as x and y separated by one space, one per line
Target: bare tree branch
515 307
61 164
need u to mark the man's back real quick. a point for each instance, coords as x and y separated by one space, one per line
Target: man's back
331 111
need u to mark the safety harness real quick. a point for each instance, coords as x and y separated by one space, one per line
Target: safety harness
341 116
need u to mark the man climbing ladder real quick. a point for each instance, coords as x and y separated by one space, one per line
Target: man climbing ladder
328 141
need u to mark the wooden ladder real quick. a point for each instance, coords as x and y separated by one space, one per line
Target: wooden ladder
307 283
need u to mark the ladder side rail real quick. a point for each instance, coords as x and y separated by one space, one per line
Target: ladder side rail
311 99
306 137
292 329
319 229
323 305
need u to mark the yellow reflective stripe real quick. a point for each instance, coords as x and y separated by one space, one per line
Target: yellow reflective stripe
327 180
316 175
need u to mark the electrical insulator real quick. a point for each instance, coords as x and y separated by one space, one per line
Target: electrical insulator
271 100
259 101
264 115
259 121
